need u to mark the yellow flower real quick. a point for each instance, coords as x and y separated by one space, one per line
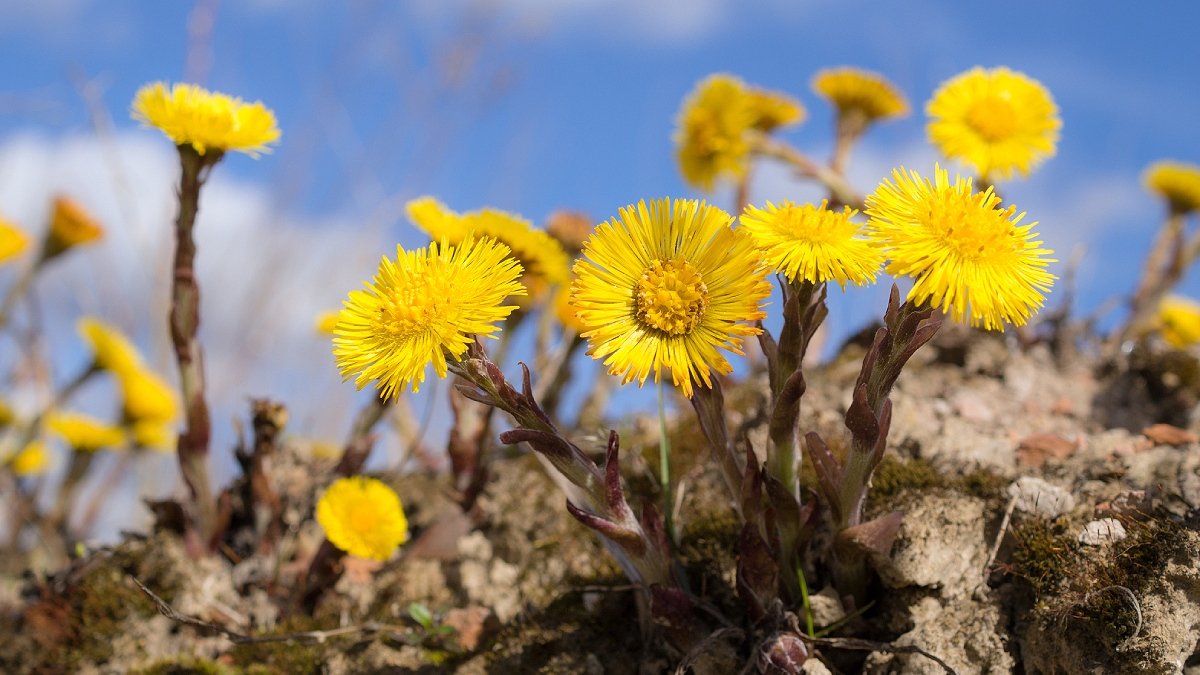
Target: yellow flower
970 257
570 229
363 517
669 284
207 121
711 133
1177 182
860 93
32 460
811 243
326 322
545 261
111 350
421 307
157 435
7 415
772 109
996 120
70 226
1179 320
84 432
13 241
566 313
146 396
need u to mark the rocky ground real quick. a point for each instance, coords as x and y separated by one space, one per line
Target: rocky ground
1050 501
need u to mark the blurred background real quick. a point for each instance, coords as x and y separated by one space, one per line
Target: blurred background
526 105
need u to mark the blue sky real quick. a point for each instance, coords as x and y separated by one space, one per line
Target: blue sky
530 106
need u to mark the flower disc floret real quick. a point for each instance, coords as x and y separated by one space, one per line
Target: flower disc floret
1177 182
812 243
423 307
363 517
969 256
999 121
206 121
860 92
668 284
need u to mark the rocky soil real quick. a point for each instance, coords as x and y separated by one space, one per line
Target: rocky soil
1050 502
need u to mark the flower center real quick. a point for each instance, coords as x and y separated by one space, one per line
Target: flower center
416 307
670 297
994 117
363 518
973 233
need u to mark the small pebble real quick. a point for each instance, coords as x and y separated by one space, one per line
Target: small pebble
1034 495
1103 531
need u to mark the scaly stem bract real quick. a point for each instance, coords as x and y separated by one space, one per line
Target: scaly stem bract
184 321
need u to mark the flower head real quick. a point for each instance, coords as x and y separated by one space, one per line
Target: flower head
70 226
157 435
860 93
207 121
1177 182
669 284
811 243
32 460
422 307
712 134
363 517
146 396
998 121
566 313
111 350
13 241
84 432
7 415
545 261
1179 321
970 257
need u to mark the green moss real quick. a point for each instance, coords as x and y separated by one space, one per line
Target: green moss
283 658
707 550
895 476
1045 554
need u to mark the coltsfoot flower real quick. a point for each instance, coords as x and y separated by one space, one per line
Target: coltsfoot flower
111 350
84 432
147 397
70 226
669 284
424 307
1177 182
711 137
998 121
363 517
1179 321
545 261
813 244
32 460
13 241
860 93
207 121
152 434
969 256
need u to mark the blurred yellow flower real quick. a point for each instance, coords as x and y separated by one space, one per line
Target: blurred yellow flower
669 284
998 121
7 415
146 396
811 243
111 350
862 93
544 260
1177 182
363 517
326 321
565 312
207 121
84 432
153 434
711 131
969 256
771 109
422 307
70 226
1179 321
32 460
13 241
